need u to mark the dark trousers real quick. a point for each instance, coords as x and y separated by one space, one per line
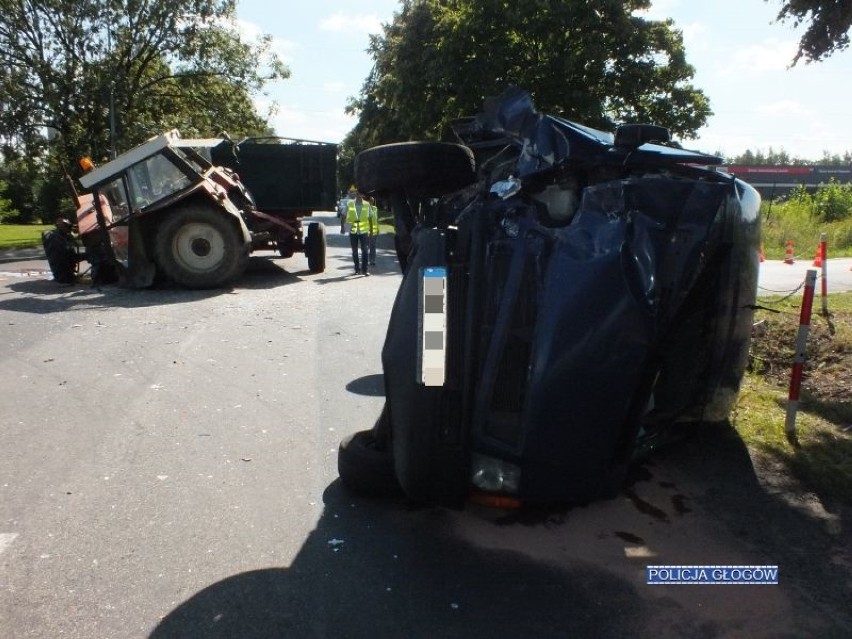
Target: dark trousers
359 240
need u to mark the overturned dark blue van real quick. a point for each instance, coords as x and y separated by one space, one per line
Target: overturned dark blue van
570 297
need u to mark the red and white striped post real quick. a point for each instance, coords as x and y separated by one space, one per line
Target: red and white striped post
799 357
823 245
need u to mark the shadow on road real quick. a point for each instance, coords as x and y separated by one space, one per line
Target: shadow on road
387 569
369 385
46 296
265 271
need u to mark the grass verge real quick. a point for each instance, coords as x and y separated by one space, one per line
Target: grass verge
14 236
822 463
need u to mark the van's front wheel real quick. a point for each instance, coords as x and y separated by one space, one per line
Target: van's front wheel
199 247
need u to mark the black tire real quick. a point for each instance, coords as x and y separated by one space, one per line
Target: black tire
287 246
421 169
366 468
199 247
315 247
103 269
61 257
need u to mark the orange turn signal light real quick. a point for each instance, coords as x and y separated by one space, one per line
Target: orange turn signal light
495 501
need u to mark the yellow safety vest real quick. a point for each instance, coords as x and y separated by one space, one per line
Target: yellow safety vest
361 223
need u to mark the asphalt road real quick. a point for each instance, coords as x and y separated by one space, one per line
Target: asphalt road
168 469
777 277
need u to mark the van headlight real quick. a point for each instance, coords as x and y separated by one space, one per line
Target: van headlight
494 475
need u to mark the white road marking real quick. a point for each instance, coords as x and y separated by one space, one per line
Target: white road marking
24 273
638 552
6 540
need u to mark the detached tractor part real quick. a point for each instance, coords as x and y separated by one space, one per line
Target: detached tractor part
62 254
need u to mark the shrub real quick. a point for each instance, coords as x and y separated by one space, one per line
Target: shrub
833 201
802 217
840 235
801 197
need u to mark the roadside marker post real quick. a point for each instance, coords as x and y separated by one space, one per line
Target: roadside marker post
799 357
823 247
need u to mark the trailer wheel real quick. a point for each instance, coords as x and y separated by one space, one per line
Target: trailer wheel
366 468
421 169
199 247
315 247
287 246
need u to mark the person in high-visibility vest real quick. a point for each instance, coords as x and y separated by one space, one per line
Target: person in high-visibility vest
343 208
363 222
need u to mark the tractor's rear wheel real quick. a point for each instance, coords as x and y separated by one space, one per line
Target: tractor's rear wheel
200 247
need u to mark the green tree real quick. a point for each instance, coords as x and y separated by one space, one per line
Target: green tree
23 180
770 157
593 61
828 24
7 213
107 74
773 157
835 159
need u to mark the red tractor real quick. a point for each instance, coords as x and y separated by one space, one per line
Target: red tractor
192 211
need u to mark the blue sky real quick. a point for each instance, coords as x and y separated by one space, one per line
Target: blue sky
740 54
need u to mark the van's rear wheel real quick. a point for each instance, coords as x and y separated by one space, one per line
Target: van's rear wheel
200 247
